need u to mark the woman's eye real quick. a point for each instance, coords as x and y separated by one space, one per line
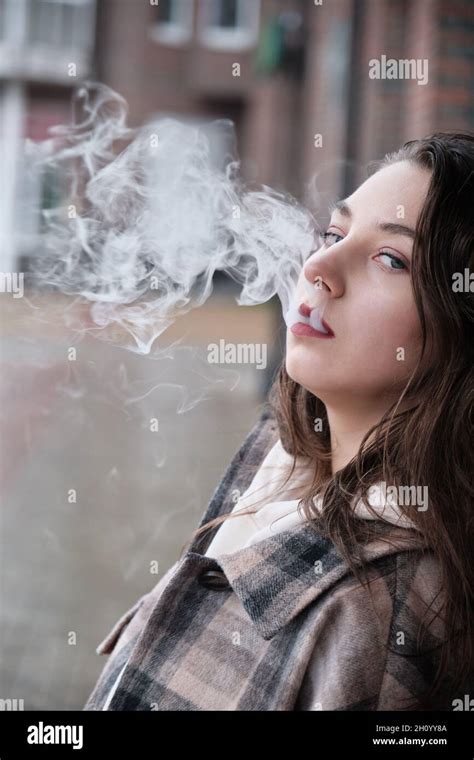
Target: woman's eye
326 235
393 261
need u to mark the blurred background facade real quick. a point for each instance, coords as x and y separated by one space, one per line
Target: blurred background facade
303 72
285 72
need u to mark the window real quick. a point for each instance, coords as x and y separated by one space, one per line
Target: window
227 14
173 21
165 11
229 24
60 23
41 37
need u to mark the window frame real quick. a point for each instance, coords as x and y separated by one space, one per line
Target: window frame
178 31
242 37
83 14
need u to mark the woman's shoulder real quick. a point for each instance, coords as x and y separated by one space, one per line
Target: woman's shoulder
379 643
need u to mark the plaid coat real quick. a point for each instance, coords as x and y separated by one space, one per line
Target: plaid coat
279 625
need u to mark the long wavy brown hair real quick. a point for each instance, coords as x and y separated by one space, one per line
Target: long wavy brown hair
431 441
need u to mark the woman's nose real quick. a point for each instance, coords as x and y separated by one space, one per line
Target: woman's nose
323 272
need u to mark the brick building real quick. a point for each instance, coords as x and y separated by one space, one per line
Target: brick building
285 71
181 54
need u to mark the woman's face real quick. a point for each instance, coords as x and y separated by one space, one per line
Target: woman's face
364 266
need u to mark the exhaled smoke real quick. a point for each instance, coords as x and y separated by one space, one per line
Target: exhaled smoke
149 217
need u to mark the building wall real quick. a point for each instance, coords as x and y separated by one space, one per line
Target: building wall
192 79
277 114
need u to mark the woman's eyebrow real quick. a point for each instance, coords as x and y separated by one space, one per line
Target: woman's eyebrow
341 206
394 228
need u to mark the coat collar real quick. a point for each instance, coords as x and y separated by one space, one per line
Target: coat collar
277 577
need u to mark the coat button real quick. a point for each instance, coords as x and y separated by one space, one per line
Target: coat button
214 579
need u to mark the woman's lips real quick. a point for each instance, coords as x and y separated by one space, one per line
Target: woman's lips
304 310
310 330
301 328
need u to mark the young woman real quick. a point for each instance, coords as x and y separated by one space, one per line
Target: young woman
342 575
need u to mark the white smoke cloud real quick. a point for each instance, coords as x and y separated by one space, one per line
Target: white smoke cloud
150 217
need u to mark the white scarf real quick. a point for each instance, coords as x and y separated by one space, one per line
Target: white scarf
272 516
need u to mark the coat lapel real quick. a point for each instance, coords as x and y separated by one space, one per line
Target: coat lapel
277 577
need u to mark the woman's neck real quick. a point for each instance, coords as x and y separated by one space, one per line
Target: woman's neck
348 427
